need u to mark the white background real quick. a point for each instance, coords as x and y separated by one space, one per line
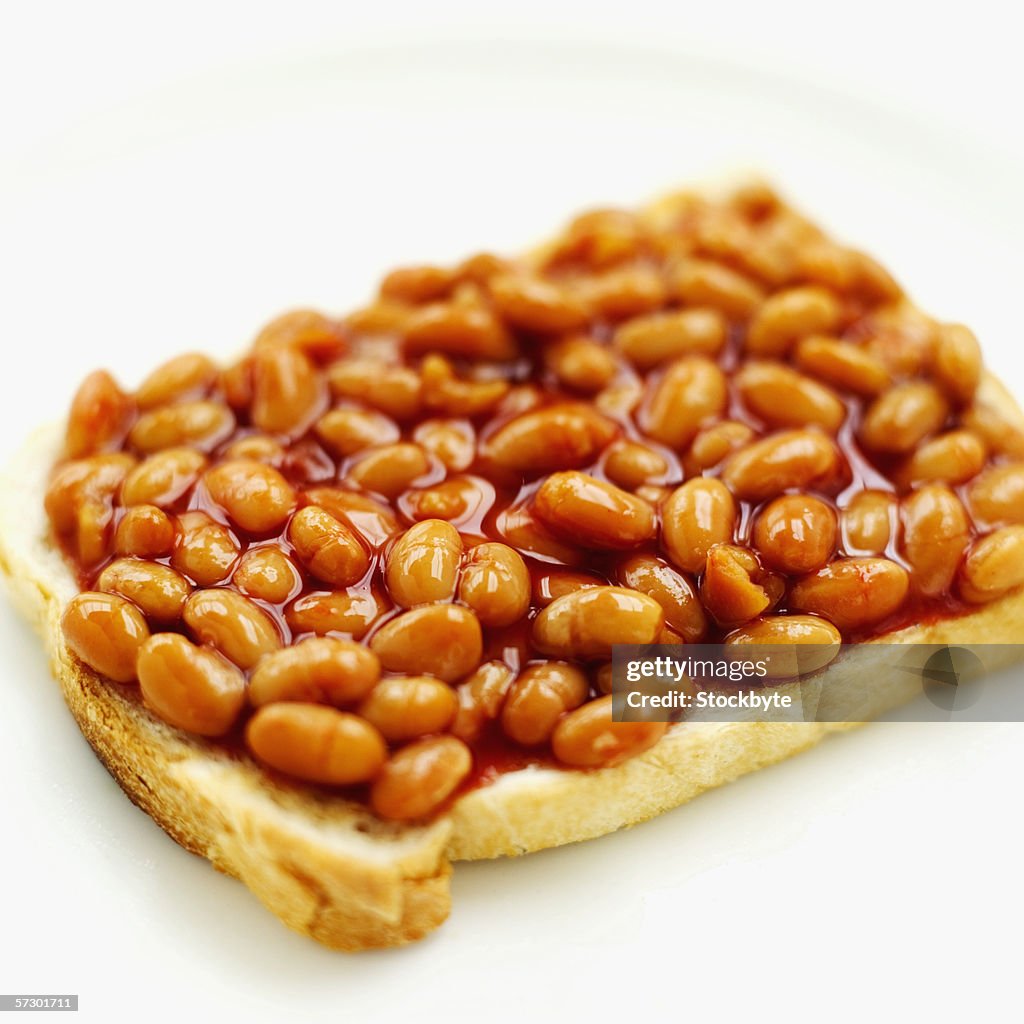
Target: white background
168 180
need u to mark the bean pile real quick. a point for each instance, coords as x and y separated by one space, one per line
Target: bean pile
372 543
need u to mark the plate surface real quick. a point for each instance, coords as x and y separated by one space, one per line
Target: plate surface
185 219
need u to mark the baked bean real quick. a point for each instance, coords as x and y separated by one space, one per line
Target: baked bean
481 267
581 364
144 531
190 687
755 200
539 697
97 477
903 417
304 330
604 679
444 392
417 284
998 433
564 436
201 425
408 707
395 391
373 519
993 566
333 611
328 548
79 501
440 640
852 592
819 635
456 499
654 494
390 469
593 513
619 399
316 743
873 281
527 534
771 253
465 331
204 550
288 393
715 443
92 531
156 589
781 397
691 391
164 478
106 632
256 497
619 294
827 264
952 458
722 233
320 670
533 304
705 283
843 365
307 462
631 465
795 534
521 398
239 629
267 574
735 588
650 340
480 699
936 531
699 514
100 416
787 316
791 458
235 383
956 363
385 316
868 522
186 376
547 586
588 738
451 442
599 238
675 593
347 431
420 777
584 624
257 448
495 583
423 565
997 496
902 337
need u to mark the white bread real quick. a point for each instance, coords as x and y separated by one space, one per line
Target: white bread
326 866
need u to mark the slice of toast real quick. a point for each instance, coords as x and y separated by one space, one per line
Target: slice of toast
327 866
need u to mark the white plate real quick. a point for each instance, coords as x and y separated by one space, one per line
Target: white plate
182 221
